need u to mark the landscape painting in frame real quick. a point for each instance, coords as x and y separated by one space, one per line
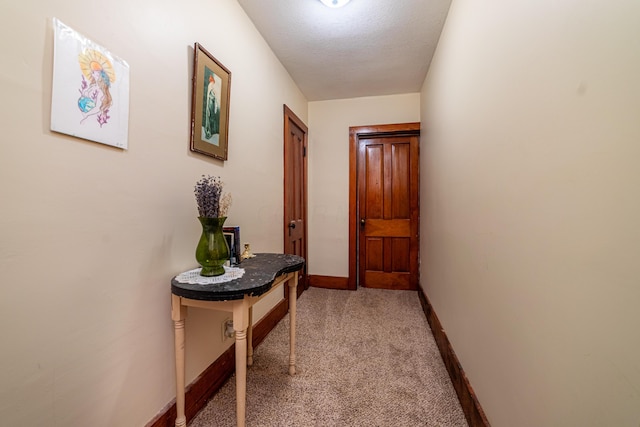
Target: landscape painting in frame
90 95
210 105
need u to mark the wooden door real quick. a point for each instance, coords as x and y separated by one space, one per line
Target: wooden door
295 190
388 211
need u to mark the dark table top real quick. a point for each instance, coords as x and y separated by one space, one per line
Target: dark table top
260 273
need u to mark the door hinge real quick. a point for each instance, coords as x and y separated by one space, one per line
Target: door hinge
304 151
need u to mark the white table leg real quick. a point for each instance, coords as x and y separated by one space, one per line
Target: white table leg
178 315
241 376
240 325
293 295
250 338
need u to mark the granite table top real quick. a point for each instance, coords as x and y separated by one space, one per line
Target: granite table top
260 273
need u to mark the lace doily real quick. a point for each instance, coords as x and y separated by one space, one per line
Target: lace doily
193 277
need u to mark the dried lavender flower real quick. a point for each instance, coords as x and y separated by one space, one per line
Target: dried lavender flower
225 204
209 197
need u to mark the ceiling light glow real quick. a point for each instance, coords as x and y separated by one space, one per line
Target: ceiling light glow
335 3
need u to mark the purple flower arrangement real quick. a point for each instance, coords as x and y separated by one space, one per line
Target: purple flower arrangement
212 203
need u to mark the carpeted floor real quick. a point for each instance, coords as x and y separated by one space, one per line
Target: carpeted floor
364 358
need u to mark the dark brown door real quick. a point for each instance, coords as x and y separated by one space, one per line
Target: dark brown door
388 211
295 190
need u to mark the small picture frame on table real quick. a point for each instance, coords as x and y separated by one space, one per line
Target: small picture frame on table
232 234
210 105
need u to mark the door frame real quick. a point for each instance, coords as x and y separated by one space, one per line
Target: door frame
355 134
289 115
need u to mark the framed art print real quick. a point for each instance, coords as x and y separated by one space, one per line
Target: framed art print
232 234
90 92
210 105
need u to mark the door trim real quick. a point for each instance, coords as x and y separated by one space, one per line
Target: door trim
289 115
355 134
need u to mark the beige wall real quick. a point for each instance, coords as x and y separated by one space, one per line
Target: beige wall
329 123
530 207
91 235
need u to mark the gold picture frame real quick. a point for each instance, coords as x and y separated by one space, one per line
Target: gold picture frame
210 105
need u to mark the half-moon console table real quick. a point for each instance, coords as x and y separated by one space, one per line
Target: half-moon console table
262 274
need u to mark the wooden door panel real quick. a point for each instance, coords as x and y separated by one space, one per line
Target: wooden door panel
374 175
375 254
404 155
295 187
401 263
387 206
383 280
390 255
401 196
387 227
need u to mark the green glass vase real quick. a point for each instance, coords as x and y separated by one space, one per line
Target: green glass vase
212 251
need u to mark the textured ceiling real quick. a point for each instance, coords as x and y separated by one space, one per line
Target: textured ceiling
367 48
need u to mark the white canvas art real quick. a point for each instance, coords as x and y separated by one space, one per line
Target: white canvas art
90 97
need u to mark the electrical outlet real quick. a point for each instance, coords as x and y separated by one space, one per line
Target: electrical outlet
227 329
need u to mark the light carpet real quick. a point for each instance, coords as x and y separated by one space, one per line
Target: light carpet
363 358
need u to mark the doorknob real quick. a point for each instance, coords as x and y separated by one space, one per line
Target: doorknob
362 221
292 224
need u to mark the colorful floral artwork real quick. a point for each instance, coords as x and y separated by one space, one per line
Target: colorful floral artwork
90 96
97 77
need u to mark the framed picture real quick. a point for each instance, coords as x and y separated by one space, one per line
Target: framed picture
232 234
90 93
210 105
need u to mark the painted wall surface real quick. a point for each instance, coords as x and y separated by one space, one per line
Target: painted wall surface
328 165
91 234
530 207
